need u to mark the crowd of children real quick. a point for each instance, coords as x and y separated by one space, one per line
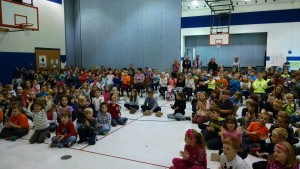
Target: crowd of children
53 100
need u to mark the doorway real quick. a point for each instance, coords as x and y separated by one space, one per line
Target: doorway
47 58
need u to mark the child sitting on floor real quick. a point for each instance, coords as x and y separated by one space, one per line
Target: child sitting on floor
65 133
194 154
212 131
104 120
283 157
39 116
132 103
17 126
114 110
88 131
151 106
229 158
179 107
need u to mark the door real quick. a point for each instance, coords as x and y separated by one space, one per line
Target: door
47 58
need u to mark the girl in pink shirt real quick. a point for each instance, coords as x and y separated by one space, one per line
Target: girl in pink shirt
194 154
283 158
230 131
171 85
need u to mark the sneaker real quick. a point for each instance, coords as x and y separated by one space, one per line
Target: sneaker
147 113
158 114
132 111
14 138
188 118
70 144
52 145
48 135
105 133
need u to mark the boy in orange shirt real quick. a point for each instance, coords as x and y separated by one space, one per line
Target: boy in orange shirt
17 126
256 131
222 83
125 79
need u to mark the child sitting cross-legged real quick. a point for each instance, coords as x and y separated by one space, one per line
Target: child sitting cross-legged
179 107
194 154
151 106
132 103
66 134
114 110
229 158
104 120
17 126
88 131
40 120
212 131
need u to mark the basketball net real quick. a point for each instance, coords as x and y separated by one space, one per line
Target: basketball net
26 28
218 45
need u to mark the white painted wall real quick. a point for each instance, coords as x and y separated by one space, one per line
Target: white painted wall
282 37
50 35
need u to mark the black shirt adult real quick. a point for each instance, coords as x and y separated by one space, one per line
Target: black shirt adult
212 64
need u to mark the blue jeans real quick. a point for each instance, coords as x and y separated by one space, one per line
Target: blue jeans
62 143
118 121
177 116
104 128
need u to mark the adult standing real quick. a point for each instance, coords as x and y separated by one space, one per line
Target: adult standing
186 64
212 64
197 62
236 64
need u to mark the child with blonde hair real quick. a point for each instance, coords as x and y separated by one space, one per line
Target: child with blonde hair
87 132
229 157
194 154
202 107
266 149
283 157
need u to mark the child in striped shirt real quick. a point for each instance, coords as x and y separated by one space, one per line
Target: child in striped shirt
39 116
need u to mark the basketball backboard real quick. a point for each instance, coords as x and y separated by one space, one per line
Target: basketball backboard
219 39
14 15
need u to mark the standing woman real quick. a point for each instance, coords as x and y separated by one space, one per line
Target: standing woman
236 64
212 64
186 64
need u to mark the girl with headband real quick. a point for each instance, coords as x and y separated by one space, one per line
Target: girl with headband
283 157
194 154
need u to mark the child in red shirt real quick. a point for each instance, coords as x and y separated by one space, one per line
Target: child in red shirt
114 110
17 126
65 133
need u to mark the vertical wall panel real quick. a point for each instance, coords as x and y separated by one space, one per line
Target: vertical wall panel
70 31
116 33
170 31
102 33
134 33
152 34
250 48
77 31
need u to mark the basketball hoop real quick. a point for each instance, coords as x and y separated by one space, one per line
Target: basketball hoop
218 45
26 27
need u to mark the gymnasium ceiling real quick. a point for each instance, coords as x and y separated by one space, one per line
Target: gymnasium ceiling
201 5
